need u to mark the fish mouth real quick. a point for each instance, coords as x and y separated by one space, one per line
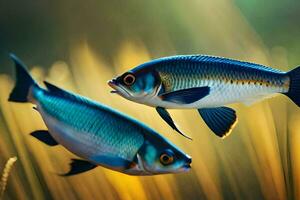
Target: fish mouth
114 92
117 88
112 84
187 166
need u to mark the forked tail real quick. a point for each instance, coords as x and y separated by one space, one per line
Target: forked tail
24 83
294 90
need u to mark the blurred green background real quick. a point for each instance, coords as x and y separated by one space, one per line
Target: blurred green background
79 45
42 31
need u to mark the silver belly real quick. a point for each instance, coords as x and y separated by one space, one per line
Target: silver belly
79 143
223 94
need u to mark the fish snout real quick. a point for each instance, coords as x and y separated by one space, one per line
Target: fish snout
113 84
188 162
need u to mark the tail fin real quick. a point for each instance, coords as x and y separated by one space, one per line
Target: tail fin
294 90
24 82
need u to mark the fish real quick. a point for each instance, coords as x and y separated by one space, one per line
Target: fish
99 135
205 83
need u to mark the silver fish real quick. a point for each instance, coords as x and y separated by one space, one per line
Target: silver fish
205 83
96 133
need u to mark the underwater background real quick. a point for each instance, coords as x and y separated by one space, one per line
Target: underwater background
79 45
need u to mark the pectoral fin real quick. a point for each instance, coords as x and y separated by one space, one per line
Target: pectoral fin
163 113
220 120
186 96
78 166
45 137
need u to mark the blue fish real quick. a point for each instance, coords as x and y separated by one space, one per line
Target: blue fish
205 83
96 133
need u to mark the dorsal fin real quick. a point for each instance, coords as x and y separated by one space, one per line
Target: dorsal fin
56 90
64 93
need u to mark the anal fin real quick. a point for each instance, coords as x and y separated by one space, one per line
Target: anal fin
78 166
220 120
45 137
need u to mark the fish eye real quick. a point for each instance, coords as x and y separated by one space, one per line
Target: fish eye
129 79
166 158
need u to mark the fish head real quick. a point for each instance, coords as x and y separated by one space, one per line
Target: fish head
138 84
161 158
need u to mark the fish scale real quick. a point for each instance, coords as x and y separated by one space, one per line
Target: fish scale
185 72
83 117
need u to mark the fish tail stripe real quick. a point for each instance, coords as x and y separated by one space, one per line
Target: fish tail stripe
24 82
294 86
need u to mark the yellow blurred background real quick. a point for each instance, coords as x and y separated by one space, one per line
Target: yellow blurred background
79 45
